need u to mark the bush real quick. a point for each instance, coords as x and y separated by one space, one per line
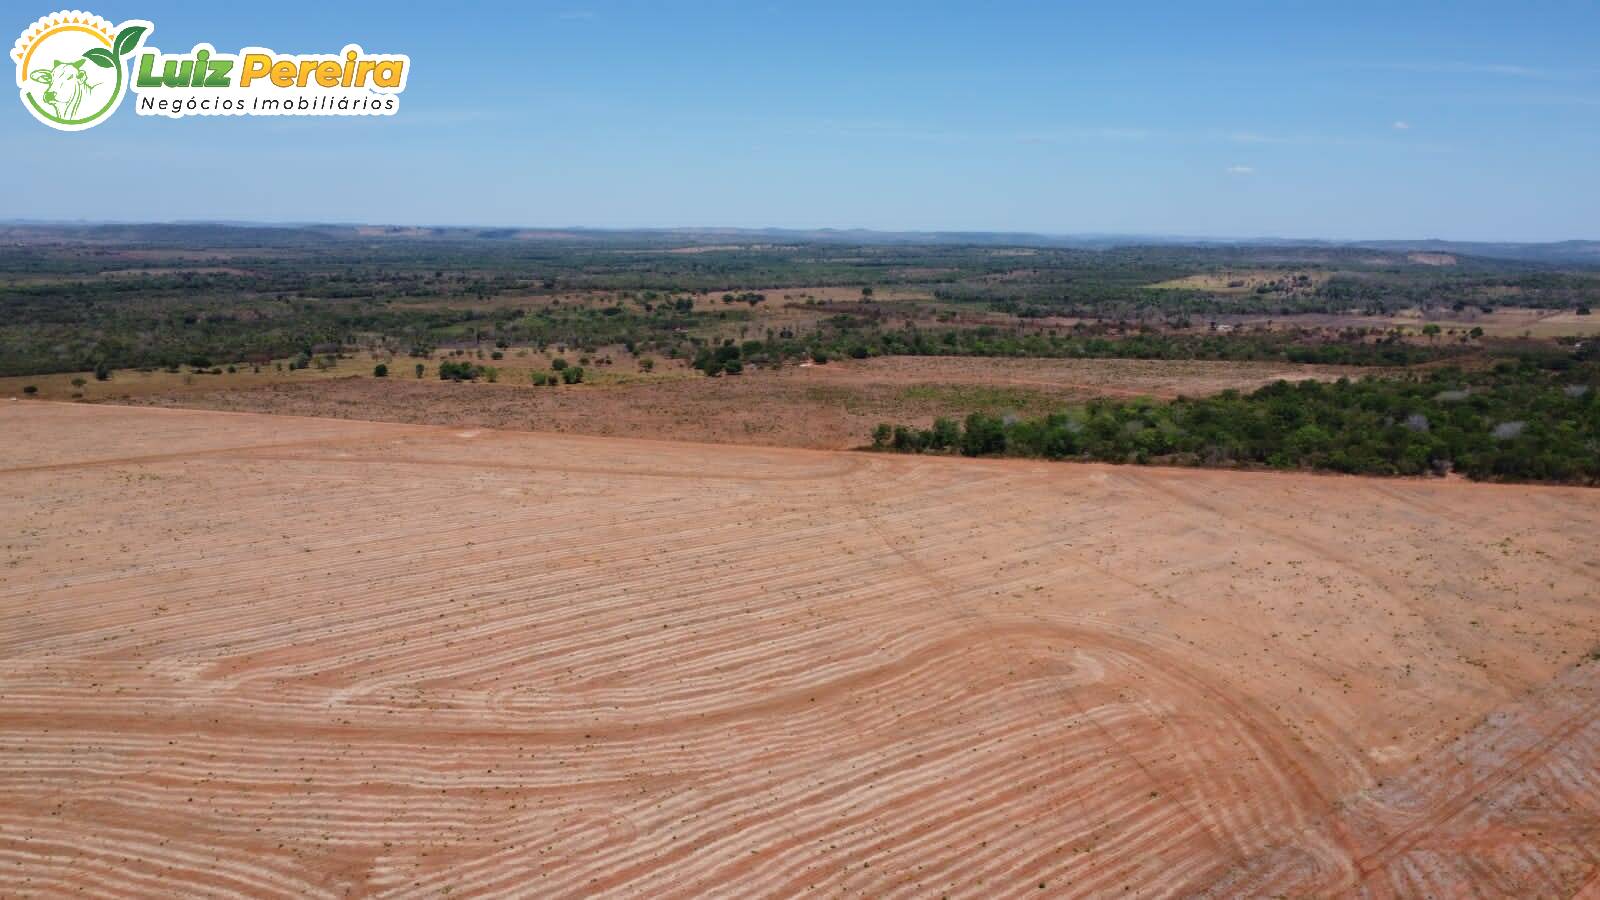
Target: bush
30 389
882 435
380 371
420 369
985 435
540 379
451 370
78 382
725 358
558 364
572 374
102 372
945 434
907 440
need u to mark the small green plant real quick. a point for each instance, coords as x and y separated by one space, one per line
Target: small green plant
420 369
572 374
558 364
30 389
380 371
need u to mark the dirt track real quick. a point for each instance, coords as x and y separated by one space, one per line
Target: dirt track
273 656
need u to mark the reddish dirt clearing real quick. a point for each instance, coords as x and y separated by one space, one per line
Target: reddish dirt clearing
251 655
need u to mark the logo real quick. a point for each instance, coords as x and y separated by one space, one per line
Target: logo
73 69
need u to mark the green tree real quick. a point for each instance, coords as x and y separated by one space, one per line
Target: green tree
984 435
946 433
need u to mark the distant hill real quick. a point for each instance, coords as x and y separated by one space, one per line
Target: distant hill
1559 253
1580 252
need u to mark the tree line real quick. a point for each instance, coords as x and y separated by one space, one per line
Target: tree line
1518 421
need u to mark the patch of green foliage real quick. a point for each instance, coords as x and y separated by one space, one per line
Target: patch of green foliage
1517 422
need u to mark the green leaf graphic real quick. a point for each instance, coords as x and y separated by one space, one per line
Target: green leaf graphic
100 56
127 39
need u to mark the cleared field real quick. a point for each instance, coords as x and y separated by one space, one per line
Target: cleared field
1243 281
258 655
1509 322
828 406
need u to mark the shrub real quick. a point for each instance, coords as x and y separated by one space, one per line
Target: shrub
907 440
572 374
558 364
945 434
725 358
540 379
30 389
984 435
380 371
102 372
420 369
881 435
646 364
451 370
78 382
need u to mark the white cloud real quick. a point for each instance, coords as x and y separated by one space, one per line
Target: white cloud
1402 125
1241 170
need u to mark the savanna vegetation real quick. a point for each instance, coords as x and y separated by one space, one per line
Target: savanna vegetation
1517 421
1448 394
78 298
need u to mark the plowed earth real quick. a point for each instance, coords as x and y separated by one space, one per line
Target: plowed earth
253 655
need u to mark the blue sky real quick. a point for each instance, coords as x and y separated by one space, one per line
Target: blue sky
1464 120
